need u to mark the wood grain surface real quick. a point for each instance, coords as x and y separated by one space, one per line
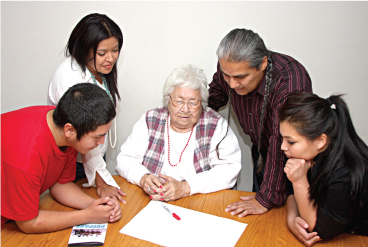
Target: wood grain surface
269 229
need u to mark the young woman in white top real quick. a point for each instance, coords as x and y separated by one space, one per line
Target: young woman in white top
92 52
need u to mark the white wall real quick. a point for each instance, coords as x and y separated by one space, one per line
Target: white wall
329 38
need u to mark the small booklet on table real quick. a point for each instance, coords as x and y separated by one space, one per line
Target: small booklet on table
88 235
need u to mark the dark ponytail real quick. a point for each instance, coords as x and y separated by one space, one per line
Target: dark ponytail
313 116
269 70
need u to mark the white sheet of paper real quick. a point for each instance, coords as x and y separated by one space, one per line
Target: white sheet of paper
156 225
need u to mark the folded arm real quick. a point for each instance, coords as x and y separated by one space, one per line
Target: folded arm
297 225
93 211
296 170
70 195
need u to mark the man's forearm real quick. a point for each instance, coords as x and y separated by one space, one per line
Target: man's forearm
50 221
71 195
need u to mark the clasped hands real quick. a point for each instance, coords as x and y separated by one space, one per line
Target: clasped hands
164 188
105 209
110 197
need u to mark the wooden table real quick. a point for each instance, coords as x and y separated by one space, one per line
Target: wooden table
269 229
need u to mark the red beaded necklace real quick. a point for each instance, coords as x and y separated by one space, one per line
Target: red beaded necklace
168 142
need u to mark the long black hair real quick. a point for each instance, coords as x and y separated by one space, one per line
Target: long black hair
313 116
86 36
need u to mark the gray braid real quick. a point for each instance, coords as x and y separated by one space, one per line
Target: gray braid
228 123
269 70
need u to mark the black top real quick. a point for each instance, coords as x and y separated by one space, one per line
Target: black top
336 215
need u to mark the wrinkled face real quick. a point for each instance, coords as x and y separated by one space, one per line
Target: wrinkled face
90 140
185 116
242 78
106 55
295 145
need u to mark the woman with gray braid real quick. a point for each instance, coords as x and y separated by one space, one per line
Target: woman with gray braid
256 82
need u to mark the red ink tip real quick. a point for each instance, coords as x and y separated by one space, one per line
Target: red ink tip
176 216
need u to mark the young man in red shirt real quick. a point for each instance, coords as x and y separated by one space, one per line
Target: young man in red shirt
39 146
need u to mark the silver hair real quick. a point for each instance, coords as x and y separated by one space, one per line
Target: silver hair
245 45
242 45
187 76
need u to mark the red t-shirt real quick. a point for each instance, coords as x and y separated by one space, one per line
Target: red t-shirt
31 162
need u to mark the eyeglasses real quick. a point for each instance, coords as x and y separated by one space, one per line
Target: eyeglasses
193 105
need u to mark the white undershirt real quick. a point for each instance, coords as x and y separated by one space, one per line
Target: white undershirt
177 144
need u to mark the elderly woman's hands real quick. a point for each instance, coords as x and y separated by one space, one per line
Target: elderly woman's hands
150 183
173 190
164 188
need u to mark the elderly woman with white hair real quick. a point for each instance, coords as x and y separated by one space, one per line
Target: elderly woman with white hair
181 148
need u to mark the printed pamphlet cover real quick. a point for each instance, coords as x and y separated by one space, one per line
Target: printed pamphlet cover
88 235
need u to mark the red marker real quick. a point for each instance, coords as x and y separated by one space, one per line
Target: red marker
171 212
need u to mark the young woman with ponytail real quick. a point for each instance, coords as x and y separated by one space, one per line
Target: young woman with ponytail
328 167
256 82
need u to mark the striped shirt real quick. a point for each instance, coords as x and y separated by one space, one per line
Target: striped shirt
288 76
